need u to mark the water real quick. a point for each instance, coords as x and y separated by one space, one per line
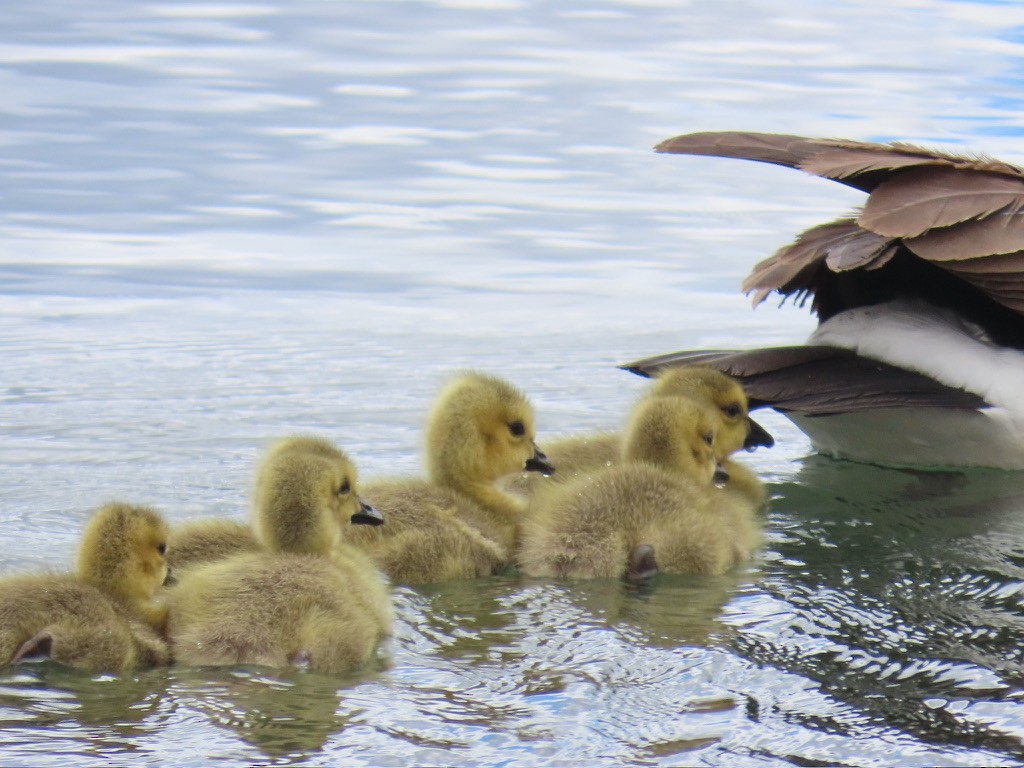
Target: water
223 222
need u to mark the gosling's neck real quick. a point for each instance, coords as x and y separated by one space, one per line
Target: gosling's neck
667 454
128 598
293 522
499 513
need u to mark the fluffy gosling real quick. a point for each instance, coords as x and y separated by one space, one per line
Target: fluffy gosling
104 617
308 599
655 510
457 523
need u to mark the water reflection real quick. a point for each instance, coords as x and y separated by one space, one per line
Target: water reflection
899 594
44 704
280 714
570 668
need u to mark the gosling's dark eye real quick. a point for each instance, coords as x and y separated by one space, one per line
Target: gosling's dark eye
517 428
709 438
732 410
161 548
345 487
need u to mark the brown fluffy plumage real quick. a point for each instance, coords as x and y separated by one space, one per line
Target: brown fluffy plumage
659 501
457 523
104 617
308 599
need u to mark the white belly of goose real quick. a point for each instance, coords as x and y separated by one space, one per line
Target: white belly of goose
936 343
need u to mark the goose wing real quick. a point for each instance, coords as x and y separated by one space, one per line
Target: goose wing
936 223
818 380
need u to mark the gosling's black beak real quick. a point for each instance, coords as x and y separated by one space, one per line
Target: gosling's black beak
539 463
367 515
170 579
758 436
721 477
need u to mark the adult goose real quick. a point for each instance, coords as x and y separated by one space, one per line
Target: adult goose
918 358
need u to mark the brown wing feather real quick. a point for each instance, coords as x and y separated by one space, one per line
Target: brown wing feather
924 198
776 148
810 247
815 380
841 164
841 245
993 235
1011 264
860 164
928 211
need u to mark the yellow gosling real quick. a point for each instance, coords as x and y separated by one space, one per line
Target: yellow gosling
104 617
212 539
309 599
575 455
458 523
658 509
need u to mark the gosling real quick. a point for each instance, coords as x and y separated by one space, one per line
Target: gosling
577 455
210 539
657 509
457 523
308 599
104 617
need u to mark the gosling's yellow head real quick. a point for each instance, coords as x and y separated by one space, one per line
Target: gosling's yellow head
677 433
305 496
123 551
735 429
480 428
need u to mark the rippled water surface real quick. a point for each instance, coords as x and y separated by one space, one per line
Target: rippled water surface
222 222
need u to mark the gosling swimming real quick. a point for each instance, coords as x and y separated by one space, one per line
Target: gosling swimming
104 616
575 455
458 523
657 509
308 599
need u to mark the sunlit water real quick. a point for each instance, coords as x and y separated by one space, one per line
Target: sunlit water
224 222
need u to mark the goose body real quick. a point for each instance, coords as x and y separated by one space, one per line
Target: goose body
305 599
935 343
918 359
